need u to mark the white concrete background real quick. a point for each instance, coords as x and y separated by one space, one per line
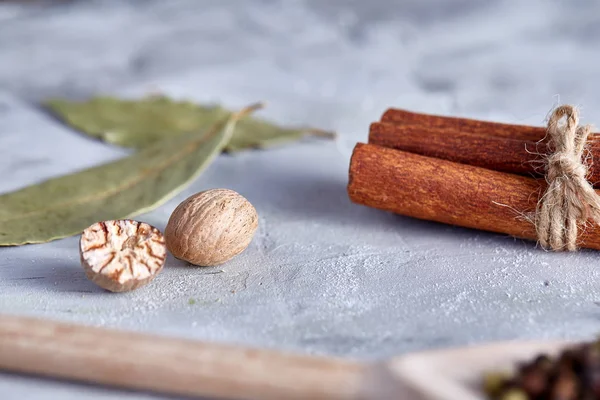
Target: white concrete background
322 276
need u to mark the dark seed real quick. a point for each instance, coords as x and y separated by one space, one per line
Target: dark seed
572 375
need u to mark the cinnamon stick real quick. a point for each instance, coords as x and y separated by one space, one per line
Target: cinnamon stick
448 192
492 150
465 125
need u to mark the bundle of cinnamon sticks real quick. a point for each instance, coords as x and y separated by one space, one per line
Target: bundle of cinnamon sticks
465 172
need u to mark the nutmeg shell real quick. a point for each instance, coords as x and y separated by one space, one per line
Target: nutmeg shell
211 227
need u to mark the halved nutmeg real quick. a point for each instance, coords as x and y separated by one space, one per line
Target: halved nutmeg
122 255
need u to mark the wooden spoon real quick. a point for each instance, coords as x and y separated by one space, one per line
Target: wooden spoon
193 368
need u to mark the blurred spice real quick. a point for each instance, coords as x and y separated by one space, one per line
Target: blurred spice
573 375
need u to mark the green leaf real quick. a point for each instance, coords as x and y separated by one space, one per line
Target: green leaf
260 134
140 123
66 205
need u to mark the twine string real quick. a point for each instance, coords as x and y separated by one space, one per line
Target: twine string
569 199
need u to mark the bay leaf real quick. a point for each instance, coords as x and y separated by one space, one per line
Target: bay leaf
66 205
260 134
141 122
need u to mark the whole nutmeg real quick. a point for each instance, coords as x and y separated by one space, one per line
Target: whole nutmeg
211 227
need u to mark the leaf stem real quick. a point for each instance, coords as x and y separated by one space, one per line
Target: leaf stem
248 110
321 133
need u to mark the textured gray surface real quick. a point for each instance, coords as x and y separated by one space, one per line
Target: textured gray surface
322 275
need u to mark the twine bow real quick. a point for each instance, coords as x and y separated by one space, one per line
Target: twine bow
569 199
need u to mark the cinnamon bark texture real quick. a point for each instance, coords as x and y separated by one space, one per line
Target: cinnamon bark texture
448 192
464 125
490 150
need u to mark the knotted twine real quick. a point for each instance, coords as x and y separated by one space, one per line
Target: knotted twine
569 198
